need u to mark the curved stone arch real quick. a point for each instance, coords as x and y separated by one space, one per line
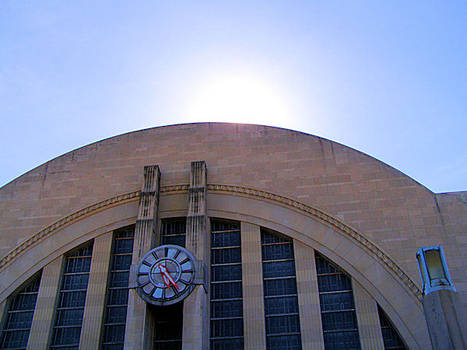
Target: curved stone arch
334 239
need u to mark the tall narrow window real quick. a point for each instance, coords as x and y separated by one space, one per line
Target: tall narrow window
18 318
337 307
169 319
173 231
71 299
280 292
226 286
117 289
391 338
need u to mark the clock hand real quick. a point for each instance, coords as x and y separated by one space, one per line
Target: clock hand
166 276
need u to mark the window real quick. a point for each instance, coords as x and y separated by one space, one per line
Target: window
391 338
280 292
18 318
169 319
173 231
226 286
337 307
71 299
117 289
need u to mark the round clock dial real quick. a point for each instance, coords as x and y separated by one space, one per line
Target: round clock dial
165 275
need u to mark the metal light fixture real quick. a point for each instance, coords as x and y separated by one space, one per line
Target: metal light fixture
434 270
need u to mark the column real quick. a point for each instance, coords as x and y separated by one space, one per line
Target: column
253 299
445 319
95 296
138 331
308 297
2 310
196 306
46 299
369 326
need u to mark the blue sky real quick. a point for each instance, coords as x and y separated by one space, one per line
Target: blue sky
388 78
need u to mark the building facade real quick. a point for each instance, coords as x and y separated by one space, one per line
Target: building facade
297 242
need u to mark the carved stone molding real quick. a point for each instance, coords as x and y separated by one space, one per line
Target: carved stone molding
369 246
67 220
359 239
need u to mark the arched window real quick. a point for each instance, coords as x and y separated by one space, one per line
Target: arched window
18 318
340 330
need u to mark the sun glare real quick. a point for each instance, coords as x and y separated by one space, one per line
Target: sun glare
239 99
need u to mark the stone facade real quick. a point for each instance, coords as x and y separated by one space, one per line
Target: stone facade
365 216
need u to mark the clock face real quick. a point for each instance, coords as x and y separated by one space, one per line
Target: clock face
165 275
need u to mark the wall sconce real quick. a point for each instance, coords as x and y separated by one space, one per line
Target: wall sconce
434 270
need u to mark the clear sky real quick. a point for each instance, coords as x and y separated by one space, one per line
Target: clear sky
388 78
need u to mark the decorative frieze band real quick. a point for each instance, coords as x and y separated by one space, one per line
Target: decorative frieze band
230 189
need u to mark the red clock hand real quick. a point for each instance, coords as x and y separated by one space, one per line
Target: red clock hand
167 277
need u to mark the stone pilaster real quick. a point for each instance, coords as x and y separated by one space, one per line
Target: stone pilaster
138 331
2 312
196 306
95 296
445 318
41 326
253 298
308 297
369 326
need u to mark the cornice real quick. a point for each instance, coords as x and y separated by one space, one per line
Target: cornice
352 234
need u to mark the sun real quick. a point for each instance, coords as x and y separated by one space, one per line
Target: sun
239 99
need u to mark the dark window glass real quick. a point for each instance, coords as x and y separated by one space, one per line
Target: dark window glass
222 309
175 239
278 269
226 273
335 282
119 278
341 340
225 256
73 282
284 342
336 301
337 307
227 344
391 338
226 295
283 286
173 231
282 325
71 300
65 336
277 251
333 321
221 225
18 316
280 292
117 289
268 237
281 305
225 239
230 290
227 328
70 317
168 326
169 319
24 301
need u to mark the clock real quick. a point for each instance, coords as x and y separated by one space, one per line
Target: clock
166 275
